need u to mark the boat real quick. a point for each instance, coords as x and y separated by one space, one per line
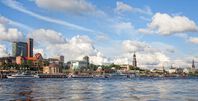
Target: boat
79 76
131 75
101 76
22 75
118 75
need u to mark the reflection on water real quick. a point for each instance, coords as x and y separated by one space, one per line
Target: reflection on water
99 89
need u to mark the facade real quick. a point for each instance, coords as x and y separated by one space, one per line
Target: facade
51 69
7 60
86 59
78 65
124 67
20 60
30 47
175 70
172 70
189 70
134 60
19 49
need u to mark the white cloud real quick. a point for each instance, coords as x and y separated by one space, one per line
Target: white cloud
75 48
123 27
194 40
102 37
3 51
39 50
123 7
72 6
17 6
147 55
45 36
121 60
53 44
10 34
132 46
99 59
165 24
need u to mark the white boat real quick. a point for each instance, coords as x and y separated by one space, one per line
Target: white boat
22 75
118 75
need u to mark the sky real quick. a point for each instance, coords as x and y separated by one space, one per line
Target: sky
160 32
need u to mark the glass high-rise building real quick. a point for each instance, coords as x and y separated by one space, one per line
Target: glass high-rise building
30 47
19 49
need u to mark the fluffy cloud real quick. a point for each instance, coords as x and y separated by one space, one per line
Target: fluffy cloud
165 24
132 46
194 40
39 50
123 27
147 55
72 6
10 34
123 7
47 36
74 48
3 51
99 59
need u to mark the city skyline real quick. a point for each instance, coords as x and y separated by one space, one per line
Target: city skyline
161 33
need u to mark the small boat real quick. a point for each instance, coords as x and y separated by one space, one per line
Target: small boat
22 75
118 75
80 76
101 76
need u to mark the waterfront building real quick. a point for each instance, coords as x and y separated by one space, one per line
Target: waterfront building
7 60
20 60
19 49
51 69
99 69
134 60
30 47
173 70
78 65
189 70
86 59
125 67
157 71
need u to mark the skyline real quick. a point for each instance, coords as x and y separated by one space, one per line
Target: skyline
107 31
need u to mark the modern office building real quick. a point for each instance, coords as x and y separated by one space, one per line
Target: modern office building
30 47
19 49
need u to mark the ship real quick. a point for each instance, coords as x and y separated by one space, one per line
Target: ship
22 75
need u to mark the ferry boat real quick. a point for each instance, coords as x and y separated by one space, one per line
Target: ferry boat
79 76
22 75
118 75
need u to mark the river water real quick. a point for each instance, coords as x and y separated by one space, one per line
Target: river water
65 89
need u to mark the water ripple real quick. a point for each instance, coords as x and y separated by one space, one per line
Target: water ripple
138 89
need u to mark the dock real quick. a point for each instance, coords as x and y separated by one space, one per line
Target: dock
52 76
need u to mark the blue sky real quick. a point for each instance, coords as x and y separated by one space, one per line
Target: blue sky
113 27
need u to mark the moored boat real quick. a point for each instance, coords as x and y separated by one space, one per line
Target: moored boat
22 75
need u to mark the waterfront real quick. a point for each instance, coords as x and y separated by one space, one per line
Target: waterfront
106 89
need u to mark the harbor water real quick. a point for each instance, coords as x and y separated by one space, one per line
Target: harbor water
103 89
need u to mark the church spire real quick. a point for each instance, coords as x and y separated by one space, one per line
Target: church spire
134 60
193 63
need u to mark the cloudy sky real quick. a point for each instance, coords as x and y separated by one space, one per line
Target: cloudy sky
161 32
